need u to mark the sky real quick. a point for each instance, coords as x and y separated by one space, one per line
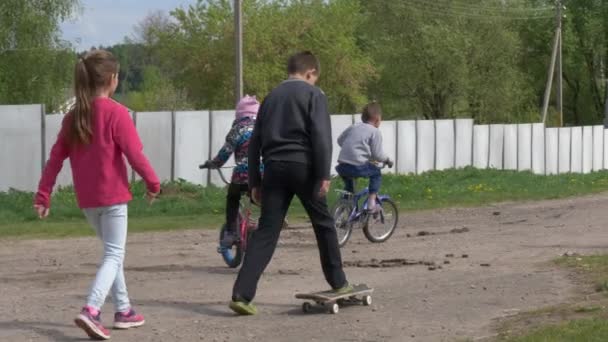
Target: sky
107 22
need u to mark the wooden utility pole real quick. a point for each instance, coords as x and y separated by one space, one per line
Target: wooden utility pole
606 106
556 53
560 103
238 37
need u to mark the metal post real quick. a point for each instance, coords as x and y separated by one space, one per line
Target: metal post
238 36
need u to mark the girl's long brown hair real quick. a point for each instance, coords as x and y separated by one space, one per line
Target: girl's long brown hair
94 71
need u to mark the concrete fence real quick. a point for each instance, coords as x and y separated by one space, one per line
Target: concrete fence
177 142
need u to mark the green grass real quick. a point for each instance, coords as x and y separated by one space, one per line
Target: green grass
584 320
185 205
593 267
583 330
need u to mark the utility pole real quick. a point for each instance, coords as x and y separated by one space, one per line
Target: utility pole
238 37
554 56
560 103
606 106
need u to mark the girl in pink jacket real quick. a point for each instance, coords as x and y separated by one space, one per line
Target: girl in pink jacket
95 135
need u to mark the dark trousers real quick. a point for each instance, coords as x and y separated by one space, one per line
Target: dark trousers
283 180
233 200
348 172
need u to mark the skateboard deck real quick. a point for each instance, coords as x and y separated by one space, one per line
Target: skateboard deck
330 296
361 294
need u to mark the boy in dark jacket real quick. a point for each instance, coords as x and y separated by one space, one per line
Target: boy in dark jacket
293 135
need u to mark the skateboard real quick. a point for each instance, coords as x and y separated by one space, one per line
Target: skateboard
329 300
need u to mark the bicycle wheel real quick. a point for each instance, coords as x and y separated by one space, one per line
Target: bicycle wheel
232 256
341 213
381 226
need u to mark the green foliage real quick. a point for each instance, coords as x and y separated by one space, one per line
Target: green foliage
35 65
485 59
435 64
156 94
585 55
199 49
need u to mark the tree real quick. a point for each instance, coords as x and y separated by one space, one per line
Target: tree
439 60
198 50
156 94
35 64
585 57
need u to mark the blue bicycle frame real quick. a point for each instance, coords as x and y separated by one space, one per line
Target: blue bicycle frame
356 213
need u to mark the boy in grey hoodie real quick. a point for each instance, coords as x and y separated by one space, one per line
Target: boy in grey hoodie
361 149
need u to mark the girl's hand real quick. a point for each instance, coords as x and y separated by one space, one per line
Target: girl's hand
41 211
151 197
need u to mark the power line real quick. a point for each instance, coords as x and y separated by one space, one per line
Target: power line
472 11
437 9
504 8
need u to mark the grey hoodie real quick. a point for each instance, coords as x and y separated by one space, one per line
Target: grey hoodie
360 144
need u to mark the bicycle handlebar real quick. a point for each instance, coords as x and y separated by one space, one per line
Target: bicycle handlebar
218 169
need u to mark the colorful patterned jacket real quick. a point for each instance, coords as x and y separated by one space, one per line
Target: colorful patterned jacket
237 142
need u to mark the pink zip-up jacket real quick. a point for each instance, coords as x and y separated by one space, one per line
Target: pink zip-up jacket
98 168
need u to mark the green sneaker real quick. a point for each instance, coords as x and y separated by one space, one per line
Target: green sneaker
242 308
344 289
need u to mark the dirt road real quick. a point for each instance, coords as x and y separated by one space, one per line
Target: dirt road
179 282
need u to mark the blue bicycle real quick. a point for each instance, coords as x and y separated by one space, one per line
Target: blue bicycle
350 212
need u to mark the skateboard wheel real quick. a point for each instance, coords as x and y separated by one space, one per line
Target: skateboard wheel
367 300
306 307
334 308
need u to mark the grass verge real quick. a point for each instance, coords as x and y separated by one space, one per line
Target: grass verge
184 205
584 320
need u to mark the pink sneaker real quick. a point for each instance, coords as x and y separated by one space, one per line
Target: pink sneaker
92 325
129 319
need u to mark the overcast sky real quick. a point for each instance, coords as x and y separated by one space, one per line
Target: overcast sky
107 22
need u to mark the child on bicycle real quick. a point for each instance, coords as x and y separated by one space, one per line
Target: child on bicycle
361 149
95 135
237 142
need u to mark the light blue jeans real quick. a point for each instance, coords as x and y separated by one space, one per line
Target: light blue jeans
110 224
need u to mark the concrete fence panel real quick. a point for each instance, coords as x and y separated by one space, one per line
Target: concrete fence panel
481 146
576 153
221 122
156 132
551 151
598 148
524 147
464 142
53 126
406 147
497 138
339 123
587 149
425 145
605 149
191 146
565 142
21 146
538 148
445 144
510 148
389 142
